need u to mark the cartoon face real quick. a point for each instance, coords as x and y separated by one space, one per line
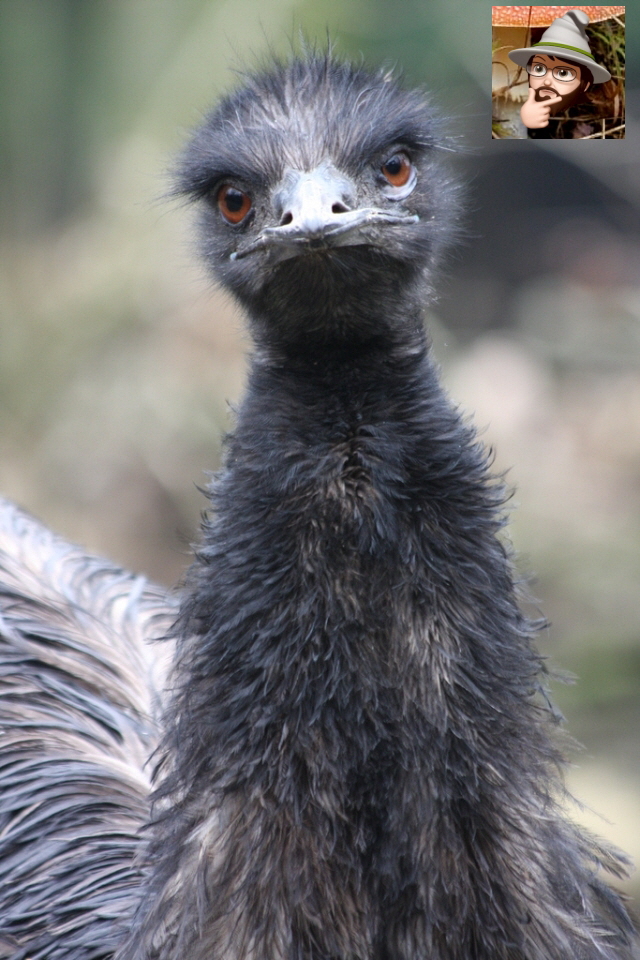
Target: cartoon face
550 76
554 85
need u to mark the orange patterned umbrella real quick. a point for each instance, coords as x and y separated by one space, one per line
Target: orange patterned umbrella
544 16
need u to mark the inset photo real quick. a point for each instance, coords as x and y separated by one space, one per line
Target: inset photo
558 73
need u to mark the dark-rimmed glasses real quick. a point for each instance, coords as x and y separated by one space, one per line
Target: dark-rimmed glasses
563 74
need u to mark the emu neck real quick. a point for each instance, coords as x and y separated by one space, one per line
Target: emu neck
352 498
341 380
342 313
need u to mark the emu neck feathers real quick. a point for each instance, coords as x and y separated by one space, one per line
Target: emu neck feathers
352 539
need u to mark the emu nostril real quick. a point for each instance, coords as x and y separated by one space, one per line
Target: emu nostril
287 218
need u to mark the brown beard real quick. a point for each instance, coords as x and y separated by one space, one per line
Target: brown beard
576 96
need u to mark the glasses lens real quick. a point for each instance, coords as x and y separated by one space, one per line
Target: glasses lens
536 69
564 74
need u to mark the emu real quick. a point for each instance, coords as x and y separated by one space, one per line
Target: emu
353 757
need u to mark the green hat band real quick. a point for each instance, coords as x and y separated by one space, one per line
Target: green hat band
549 43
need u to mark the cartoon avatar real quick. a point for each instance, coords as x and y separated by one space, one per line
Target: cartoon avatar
561 69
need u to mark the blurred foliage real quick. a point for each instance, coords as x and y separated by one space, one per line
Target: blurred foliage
117 361
607 42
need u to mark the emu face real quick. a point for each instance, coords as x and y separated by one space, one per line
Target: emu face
321 187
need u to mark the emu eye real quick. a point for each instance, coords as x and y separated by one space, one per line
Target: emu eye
397 169
233 204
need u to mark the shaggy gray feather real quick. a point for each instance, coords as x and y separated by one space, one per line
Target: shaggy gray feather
79 701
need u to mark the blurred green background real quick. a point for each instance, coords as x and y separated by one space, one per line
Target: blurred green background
118 360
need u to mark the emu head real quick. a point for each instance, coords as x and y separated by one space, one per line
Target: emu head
323 203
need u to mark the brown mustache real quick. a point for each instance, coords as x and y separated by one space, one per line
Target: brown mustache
550 91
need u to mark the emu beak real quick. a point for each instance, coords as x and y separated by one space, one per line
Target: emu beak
316 210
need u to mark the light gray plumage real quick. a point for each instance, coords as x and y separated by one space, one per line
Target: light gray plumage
78 722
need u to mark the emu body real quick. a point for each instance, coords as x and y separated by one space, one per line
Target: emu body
356 762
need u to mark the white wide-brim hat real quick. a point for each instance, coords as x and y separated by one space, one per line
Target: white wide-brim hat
565 38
